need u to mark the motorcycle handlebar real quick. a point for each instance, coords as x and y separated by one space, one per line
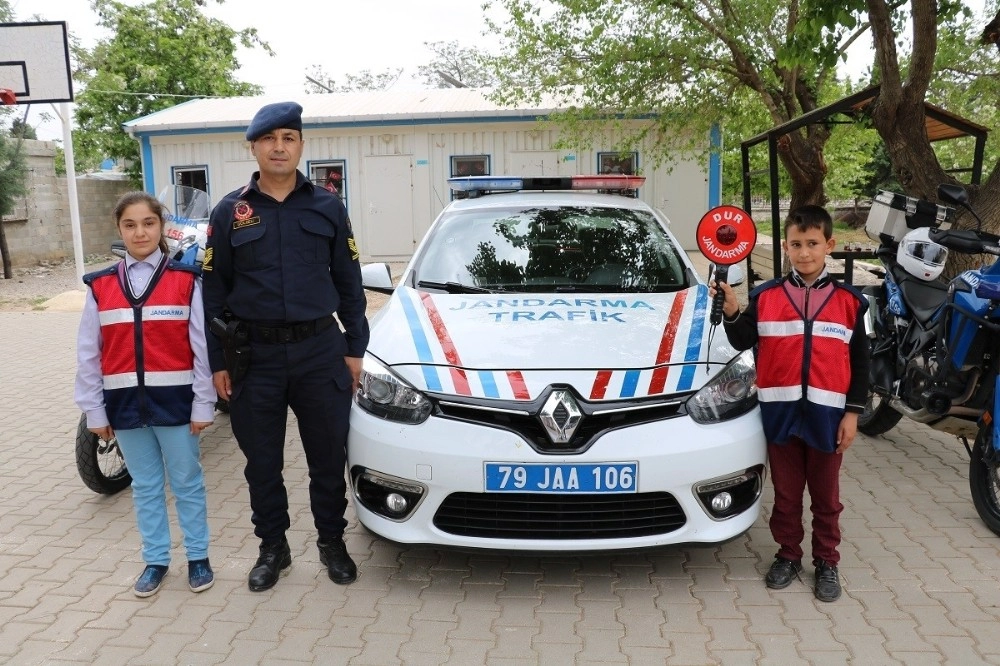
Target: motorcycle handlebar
966 241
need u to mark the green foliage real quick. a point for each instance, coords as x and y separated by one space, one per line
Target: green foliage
13 173
21 129
674 69
161 53
966 83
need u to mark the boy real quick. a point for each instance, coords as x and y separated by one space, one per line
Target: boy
812 374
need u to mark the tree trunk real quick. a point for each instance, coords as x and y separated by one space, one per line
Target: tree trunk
802 157
5 253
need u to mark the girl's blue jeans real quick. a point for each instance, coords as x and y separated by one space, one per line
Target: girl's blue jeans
154 455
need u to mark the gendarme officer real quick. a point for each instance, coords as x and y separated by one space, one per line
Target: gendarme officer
281 259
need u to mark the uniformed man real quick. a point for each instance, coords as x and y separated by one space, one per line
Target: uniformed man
282 259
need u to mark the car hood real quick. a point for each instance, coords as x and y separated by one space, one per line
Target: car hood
513 346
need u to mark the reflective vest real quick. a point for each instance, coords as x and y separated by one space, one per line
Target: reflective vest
804 367
146 358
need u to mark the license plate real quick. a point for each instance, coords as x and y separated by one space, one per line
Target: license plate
575 478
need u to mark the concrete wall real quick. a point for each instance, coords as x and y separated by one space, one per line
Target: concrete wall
39 229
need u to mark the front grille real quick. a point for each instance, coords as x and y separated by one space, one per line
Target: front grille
557 517
591 427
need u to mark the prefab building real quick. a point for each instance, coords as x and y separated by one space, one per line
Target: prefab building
389 156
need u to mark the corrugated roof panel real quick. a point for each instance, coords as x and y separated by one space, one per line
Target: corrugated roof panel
234 113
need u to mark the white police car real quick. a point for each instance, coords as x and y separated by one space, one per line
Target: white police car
544 377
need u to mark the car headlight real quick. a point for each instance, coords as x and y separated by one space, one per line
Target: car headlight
387 396
729 394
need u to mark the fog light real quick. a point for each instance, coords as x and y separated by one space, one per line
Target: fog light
727 496
396 503
722 502
391 497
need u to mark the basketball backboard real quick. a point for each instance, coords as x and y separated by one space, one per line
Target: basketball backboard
34 62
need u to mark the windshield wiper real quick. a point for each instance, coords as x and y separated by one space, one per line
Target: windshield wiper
455 287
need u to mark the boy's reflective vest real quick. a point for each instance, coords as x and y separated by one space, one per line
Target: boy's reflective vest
804 360
146 358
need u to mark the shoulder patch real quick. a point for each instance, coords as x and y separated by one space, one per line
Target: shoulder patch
107 270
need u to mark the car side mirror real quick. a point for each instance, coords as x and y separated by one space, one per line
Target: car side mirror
377 277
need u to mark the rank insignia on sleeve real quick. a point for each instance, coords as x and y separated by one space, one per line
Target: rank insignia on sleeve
206 264
242 211
353 246
239 224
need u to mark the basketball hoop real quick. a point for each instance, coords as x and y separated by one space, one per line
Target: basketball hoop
7 97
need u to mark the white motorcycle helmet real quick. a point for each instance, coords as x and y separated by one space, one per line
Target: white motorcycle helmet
920 256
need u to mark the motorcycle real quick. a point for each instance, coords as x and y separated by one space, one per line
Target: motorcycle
935 343
100 463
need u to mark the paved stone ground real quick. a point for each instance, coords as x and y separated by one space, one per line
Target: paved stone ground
920 570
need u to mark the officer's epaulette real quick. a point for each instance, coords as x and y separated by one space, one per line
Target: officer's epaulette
173 264
108 270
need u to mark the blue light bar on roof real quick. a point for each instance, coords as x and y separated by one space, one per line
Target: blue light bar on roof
485 183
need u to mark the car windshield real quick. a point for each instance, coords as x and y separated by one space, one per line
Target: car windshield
559 248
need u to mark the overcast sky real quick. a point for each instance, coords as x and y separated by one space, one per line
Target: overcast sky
343 37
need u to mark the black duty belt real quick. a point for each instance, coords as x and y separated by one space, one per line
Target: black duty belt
291 332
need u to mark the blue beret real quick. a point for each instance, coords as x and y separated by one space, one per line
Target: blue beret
283 115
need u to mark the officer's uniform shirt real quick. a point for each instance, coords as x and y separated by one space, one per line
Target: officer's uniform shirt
89 388
273 263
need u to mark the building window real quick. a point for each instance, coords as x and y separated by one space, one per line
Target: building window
468 165
331 175
619 163
194 177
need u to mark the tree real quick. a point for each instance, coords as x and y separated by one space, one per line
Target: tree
161 53
19 128
318 81
940 63
675 66
13 175
462 64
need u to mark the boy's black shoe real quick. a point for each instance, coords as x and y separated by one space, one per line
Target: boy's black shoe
274 560
827 582
781 573
339 565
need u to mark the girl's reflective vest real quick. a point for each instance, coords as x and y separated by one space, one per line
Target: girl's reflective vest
804 360
146 358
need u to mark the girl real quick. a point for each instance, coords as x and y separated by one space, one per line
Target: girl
143 377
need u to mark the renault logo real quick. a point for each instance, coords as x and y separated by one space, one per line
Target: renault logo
560 416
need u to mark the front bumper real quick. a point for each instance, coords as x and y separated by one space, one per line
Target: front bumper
443 461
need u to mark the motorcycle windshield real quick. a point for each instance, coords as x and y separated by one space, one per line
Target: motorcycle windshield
185 217
188 206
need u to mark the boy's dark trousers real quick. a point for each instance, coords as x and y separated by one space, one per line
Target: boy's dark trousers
794 467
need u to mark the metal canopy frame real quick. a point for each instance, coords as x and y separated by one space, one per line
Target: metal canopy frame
941 125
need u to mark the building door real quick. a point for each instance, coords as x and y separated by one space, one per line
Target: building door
388 209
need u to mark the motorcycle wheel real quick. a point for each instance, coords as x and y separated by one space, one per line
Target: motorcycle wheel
984 479
100 464
878 417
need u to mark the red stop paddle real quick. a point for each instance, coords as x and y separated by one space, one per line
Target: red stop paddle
726 235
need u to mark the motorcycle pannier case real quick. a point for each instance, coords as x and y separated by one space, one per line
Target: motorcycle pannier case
892 215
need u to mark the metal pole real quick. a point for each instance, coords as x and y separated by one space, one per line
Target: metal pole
74 204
